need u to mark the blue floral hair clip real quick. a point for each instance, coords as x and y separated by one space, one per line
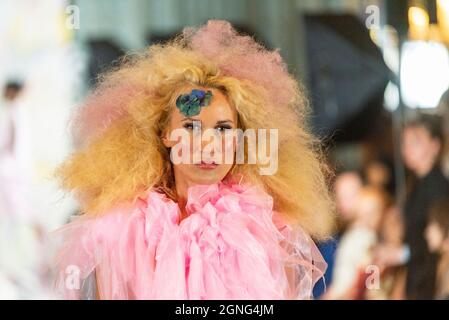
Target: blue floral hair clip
190 104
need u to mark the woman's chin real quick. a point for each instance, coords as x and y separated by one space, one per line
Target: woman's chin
208 176
207 180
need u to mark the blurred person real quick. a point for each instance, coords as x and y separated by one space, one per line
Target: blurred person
14 194
21 264
379 173
10 175
437 236
346 187
443 111
12 90
422 141
354 252
392 278
327 249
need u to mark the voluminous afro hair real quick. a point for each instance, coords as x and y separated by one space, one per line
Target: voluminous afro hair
118 129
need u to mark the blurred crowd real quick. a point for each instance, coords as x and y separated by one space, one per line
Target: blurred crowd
391 244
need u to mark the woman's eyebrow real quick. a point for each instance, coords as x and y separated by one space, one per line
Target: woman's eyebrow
224 121
191 119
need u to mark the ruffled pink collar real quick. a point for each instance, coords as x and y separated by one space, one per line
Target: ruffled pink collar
223 196
232 245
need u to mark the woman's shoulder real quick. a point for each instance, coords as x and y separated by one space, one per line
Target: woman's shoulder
153 208
102 225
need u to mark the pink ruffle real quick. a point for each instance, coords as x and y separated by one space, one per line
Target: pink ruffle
232 245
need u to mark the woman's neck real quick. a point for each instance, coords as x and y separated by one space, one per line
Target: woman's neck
182 187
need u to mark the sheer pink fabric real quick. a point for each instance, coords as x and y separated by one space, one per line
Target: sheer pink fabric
232 245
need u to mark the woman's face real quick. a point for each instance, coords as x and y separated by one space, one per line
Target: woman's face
347 189
368 210
202 145
434 236
418 148
377 174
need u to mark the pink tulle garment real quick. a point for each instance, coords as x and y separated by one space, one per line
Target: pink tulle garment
231 245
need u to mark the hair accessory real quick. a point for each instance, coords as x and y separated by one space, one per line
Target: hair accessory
190 104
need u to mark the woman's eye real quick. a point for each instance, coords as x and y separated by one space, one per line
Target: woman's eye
188 126
223 128
192 126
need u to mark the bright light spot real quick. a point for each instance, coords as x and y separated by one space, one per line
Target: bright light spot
418 17
391 97
424 73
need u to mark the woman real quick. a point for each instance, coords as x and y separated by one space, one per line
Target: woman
437 237
421 146
422 143
158 227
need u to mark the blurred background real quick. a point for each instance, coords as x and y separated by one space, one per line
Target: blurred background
376 73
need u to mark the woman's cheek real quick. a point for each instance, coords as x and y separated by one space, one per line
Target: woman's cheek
228 146
183 149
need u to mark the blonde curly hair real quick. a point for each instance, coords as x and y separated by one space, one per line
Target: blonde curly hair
119 127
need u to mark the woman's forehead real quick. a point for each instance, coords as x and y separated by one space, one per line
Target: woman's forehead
219 107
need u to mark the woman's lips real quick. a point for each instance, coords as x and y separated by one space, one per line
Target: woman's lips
207 166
